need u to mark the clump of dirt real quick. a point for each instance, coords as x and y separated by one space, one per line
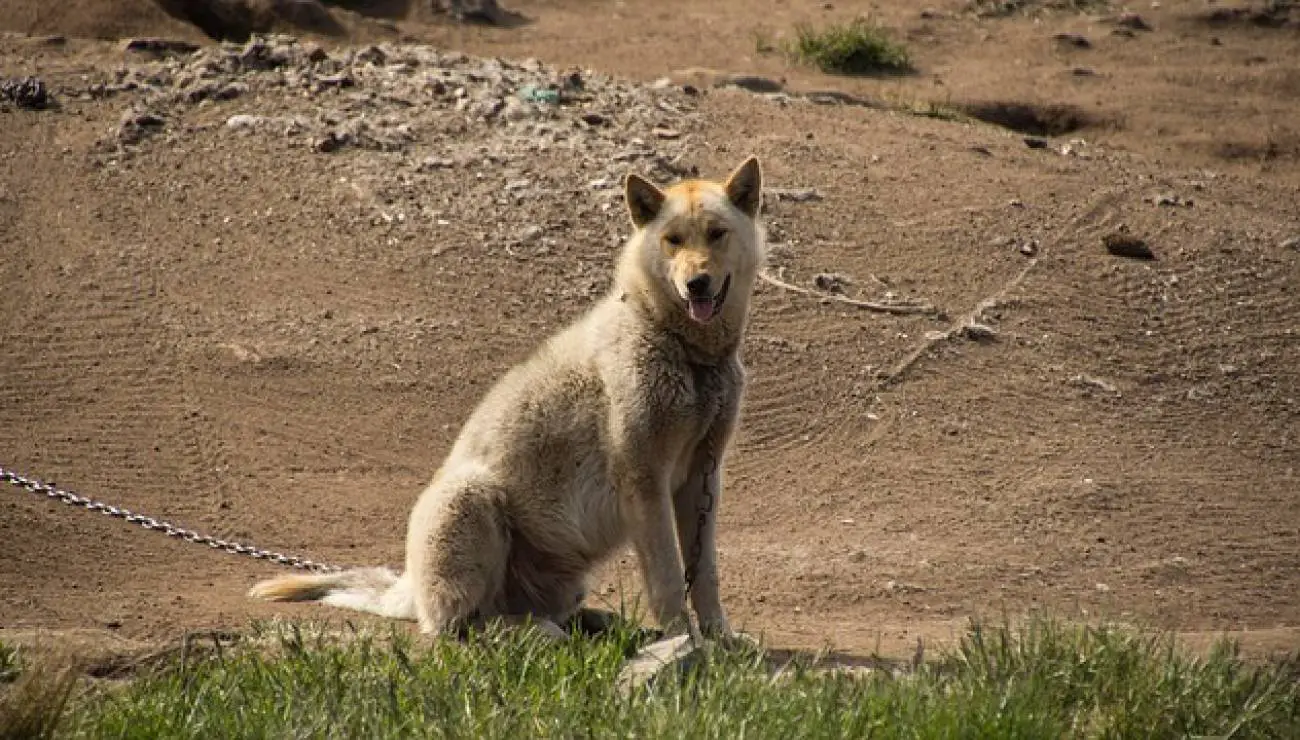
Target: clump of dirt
1029 118
1271 14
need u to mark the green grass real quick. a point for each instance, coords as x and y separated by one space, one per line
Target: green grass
1045 680
859 47
8 663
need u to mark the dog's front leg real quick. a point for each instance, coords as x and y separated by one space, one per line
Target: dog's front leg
648 512
696 505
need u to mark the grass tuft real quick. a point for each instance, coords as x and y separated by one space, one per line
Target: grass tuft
33 694
1042 680
859 47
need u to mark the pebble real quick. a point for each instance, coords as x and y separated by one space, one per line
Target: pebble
244 121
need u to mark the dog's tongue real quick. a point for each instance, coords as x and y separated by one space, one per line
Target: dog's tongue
701 310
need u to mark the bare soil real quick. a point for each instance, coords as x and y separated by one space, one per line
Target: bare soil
228 328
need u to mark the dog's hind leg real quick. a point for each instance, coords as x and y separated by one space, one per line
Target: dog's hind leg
457 549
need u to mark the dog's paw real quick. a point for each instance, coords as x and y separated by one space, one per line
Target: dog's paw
737 641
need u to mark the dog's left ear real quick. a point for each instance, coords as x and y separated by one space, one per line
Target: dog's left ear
745 187
643 199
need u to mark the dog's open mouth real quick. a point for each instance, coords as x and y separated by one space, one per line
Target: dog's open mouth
703 310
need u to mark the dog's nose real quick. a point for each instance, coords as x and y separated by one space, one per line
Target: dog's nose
698 286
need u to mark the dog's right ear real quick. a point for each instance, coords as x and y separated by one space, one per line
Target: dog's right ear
643 199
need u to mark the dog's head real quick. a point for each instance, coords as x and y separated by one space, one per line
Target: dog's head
700 237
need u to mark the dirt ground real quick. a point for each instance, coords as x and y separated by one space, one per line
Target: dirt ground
236 333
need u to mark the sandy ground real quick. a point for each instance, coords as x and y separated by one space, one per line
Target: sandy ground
230 331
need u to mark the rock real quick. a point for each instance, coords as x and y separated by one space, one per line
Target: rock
1083 72
372 55
1169 199
137 125
667 133
1033 142
244 121
429 164
794 195
1075 40
25 92
1293 243
831 282
977 332
261 53
594 119
1125 245
677 654
331 142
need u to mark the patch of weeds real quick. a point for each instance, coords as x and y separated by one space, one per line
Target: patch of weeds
33 693
859 47
1044 679
8 663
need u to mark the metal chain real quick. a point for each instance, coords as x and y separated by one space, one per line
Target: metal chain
49 490
706 507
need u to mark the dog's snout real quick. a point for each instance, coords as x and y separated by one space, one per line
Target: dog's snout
698 286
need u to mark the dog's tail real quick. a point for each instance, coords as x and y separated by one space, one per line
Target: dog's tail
374 590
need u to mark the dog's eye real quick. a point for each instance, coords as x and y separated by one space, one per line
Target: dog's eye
716 234
675 239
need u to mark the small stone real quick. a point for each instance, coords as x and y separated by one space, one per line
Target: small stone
667 133
1033 142
1029 248
794 195
977 332
594 119
1102 588
831 282
601 183
982 150
1292 243
330 142
372 55
1125 245
244 121
677 654
428 164
1083 72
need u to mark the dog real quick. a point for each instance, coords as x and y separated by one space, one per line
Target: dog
611 432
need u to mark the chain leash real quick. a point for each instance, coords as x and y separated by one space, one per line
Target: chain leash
706 508
49 490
